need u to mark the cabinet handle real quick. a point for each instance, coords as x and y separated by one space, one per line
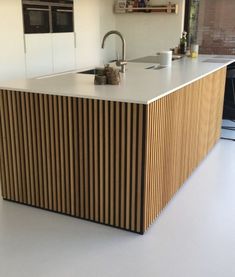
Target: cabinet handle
25 50
65 11
75 41
37 9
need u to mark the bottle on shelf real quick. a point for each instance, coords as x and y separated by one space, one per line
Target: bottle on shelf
141 4
183 43
135 4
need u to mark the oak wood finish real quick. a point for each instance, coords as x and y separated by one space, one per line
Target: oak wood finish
113 163
181 129
73 156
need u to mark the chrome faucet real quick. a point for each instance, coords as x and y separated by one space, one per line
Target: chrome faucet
123 61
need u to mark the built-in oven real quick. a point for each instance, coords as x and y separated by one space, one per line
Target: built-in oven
62 19
36 19
42 16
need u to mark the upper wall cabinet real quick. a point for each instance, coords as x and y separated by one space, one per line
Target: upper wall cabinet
48 16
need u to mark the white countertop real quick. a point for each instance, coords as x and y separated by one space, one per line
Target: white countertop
138 85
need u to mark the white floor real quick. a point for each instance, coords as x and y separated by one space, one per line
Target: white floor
193 237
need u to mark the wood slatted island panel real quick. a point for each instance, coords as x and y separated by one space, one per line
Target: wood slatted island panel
110 162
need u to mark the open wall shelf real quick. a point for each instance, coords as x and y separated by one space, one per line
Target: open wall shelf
168 8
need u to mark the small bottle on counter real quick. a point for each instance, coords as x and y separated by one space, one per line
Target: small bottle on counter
194 50
183 43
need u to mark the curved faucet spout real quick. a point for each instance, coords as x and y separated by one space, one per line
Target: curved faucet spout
123 62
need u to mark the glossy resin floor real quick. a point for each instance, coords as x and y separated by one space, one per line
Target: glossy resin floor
193 237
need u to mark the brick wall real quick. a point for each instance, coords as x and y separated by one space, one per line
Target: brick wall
216 27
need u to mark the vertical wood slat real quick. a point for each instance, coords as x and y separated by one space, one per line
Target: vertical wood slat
128 167
133 169
96 160
81 165
71 186
106 159
2 169
112 165
8 145
13 146
39 149
91 160
3 159
57 200
62 158
86 158
101 162
34 151
51 143
44 157
30 148
117 164
123 160
76 158
66 156
139 192
109 162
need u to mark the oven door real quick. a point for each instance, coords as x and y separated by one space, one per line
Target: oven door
36 19
62 19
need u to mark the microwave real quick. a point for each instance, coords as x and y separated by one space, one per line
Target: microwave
48 17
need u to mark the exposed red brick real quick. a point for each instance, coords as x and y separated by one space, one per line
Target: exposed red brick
216 27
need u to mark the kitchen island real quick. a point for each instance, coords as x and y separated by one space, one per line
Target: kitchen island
110 154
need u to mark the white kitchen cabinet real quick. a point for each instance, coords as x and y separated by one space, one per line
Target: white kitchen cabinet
49 53
63 48
39 55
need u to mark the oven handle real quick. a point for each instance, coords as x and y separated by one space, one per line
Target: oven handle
65 11
38 9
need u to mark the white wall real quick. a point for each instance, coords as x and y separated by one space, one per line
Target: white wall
12 62
148 33
93 19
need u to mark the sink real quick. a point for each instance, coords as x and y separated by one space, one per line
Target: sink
90 71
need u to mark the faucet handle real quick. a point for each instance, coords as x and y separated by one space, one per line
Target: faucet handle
121 62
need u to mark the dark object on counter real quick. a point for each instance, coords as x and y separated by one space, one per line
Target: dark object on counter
113 75
100 80
107 75
229 98
99 71
183 43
